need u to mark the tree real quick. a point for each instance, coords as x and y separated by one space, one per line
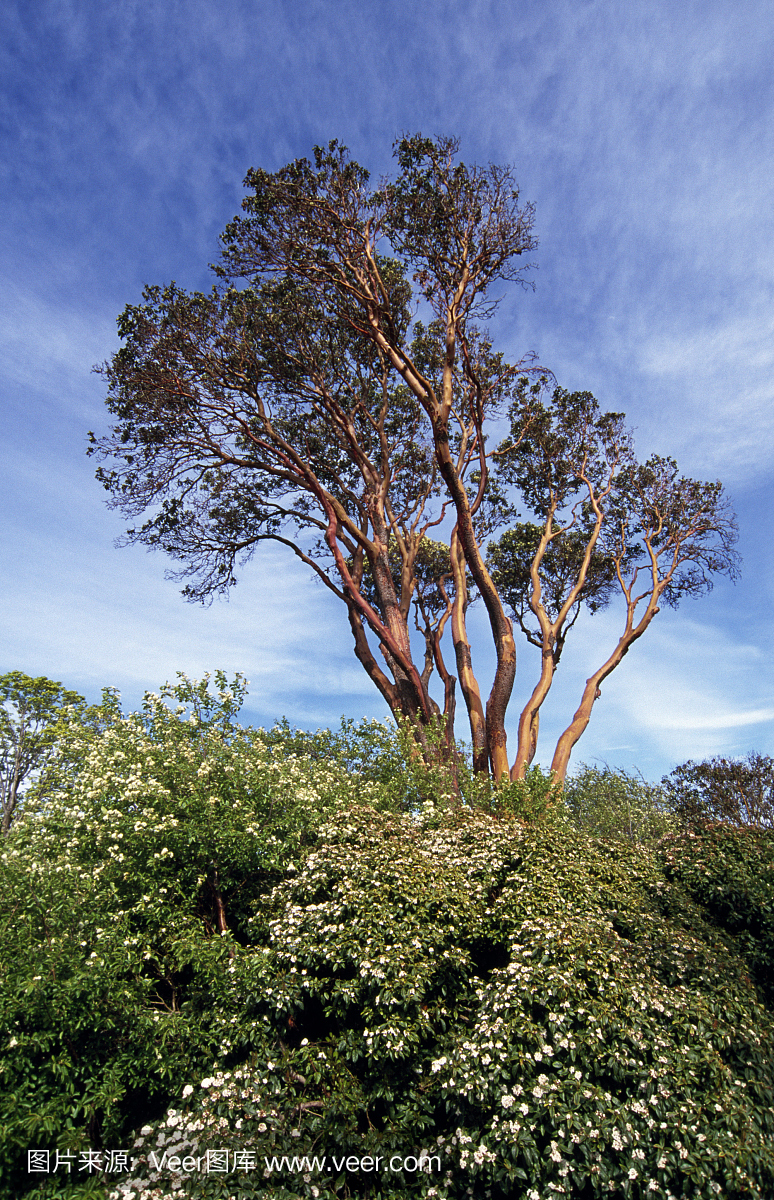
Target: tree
606 803
738 791
30 710
307 408
303 401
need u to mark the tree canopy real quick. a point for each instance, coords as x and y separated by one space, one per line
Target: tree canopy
337 392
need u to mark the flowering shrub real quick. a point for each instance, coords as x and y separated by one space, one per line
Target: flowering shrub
123 894
213 946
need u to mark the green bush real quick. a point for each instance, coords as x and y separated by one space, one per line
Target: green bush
609 803
122 893
729 871
216 938
738 791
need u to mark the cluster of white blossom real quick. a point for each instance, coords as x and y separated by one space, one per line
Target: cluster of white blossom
518 991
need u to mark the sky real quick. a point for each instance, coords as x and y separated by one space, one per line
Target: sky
643 132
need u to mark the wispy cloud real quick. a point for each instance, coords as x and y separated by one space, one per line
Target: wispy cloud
50 348
724 720
117 621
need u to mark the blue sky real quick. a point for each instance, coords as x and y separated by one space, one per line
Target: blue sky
642 131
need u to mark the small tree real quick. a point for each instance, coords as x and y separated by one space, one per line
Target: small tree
615 804
738 791
30 711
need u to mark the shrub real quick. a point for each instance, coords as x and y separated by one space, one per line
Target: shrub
739 791
730 873
545 1016
607 803
211 944
122 893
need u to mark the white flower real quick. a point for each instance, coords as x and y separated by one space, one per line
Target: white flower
187 1091
632 1173
507 1101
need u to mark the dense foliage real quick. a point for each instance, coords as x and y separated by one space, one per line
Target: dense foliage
607 803
273 944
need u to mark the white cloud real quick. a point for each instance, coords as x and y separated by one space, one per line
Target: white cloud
741 344
722 720
693 689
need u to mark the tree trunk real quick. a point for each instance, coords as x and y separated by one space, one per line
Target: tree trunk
449 684
577 726
11 797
